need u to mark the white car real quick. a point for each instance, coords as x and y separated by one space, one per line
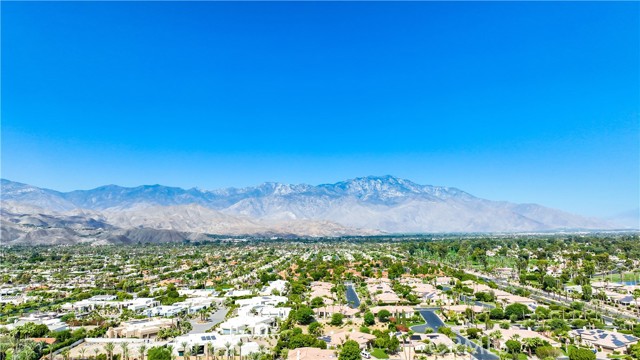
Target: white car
365 354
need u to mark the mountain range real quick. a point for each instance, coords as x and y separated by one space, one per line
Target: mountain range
361 206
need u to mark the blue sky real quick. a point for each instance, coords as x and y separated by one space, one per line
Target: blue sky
525 102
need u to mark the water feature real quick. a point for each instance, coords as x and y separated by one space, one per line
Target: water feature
352 296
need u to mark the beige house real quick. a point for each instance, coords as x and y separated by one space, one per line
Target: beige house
311 353
327 311
141 329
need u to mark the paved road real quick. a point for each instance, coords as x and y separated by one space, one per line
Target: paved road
216 317
434 322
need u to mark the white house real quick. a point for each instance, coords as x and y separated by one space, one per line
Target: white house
197 343
263 300
279 286
264 310
252 325
164 310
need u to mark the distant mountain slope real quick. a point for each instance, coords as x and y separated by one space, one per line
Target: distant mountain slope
358 206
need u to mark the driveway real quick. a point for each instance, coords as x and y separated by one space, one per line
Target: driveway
216 318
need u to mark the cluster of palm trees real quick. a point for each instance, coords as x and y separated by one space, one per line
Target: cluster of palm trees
20 349
229 352
441 349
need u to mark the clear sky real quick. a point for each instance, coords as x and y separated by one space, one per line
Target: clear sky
525 102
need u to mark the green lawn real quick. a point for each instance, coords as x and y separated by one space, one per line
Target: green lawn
379 353
627 276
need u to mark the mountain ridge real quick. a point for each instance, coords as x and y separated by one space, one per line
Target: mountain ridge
359 206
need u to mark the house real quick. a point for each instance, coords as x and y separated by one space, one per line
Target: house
263 300
198 292
513 299
310 353
264 310
381 291
277 286
420 342
363 339
48 340
604 340
463 308
507 334
443 280
51 320
253 325
322 290
238 293
328 310
164 310
12 299
142 329
193 305
396 311
199 341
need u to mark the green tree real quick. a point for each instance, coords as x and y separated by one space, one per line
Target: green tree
587 292
303 316
350 351
517 309
581 354
384 315
513 347
159 353
369 319
336 319
315 328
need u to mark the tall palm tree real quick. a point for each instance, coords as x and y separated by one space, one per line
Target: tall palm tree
96 352
185 347
228 346
142 350
82 351
125 350
496 336
108 347
207 349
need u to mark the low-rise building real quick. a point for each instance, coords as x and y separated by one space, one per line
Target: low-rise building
142 329
311 353
604 340
327 311
250 325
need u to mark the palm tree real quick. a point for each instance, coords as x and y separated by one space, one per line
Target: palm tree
142 350
173 356
496 336
185 347
109 349
82 351
65 354
207 349
228 346
240 348
125 350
